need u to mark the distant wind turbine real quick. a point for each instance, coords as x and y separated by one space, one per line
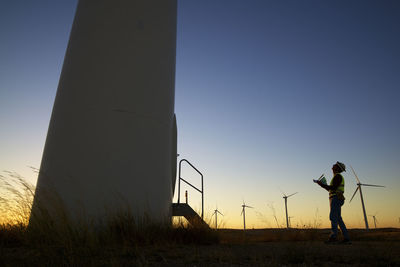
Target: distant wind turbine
244 206
375 220
216 211
285 197
359 184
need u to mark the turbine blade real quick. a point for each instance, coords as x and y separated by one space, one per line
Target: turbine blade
220 213
374 185
249 207
354 194
292 194
283 193
355 175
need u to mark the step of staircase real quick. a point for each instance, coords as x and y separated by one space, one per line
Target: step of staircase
183 209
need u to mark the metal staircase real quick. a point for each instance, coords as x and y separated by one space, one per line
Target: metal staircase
183 209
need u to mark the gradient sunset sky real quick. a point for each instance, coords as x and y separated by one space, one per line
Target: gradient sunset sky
269 94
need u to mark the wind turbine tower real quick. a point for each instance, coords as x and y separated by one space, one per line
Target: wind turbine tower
216 211
359 184
111 141
244 206
285 197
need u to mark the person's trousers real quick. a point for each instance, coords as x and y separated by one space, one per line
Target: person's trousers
336 218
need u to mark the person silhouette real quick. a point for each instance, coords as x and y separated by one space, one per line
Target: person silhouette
336 201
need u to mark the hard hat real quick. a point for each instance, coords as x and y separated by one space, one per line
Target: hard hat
341 166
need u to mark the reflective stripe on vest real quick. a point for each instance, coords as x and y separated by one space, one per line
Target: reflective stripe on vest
340 188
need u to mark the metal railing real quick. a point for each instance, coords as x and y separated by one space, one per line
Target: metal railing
202 187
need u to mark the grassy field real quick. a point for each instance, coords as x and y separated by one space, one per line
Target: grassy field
121 240
187 246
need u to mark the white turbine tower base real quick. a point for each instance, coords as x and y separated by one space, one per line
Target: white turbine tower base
111 142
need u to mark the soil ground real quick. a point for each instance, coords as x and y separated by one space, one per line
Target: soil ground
260 247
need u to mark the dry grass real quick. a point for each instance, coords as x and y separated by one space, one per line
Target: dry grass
15 199
116 238
121 240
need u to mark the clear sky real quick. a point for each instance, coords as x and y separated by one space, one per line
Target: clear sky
269 94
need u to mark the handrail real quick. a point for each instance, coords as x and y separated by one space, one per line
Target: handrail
202 187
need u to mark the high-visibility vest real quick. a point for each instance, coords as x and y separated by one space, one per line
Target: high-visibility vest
339 190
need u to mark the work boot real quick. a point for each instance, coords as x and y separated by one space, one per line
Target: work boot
345 241
331 240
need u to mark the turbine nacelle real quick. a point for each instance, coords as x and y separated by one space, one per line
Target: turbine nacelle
245 206
285 196
217 211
